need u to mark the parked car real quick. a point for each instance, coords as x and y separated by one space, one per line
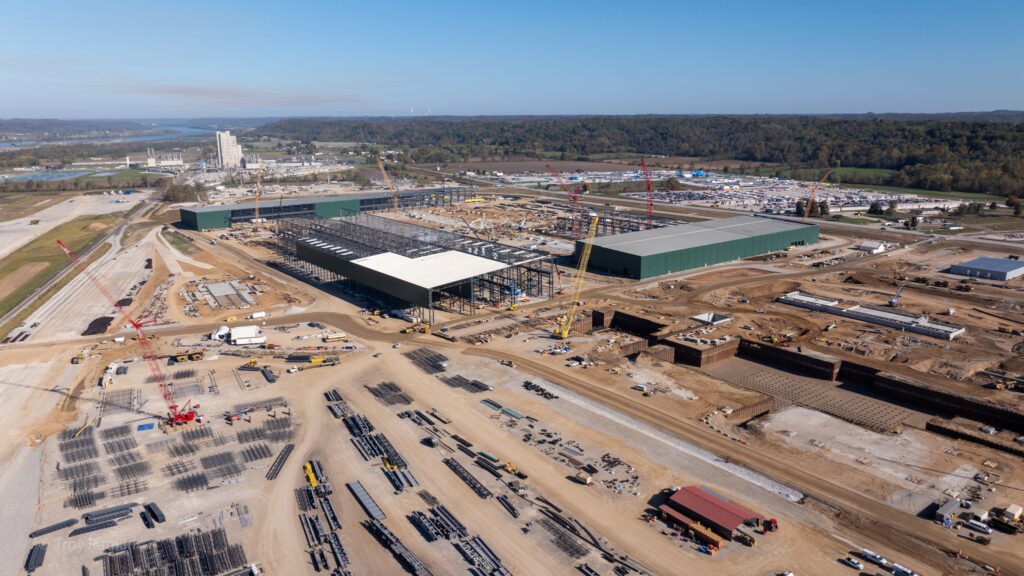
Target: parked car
853 563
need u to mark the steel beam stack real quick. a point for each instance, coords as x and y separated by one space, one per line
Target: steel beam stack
366 501
35 557
468 478
389 540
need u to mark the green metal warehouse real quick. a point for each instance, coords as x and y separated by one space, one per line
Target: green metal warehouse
659 251
224 215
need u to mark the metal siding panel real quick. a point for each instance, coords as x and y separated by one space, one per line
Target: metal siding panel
382 282
335 208
614 261
213 220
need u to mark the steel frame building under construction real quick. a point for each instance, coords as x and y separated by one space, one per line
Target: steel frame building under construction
414 267
609 222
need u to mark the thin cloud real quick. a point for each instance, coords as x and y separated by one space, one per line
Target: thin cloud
241 96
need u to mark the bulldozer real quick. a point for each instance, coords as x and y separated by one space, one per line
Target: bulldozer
77 358
509 363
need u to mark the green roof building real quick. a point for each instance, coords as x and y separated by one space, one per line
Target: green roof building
224 215
659 251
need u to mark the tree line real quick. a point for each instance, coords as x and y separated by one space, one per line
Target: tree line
933 154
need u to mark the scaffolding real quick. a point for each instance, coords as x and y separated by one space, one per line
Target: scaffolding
323 249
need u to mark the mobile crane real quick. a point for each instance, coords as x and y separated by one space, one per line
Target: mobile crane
565 321
394 196
175 414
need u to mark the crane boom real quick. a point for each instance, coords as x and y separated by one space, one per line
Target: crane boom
565 321
175 415
810 202
896 297
650 194
572 196
259 178
394 197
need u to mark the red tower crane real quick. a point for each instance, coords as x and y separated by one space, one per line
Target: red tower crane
174 415
574 196
650 194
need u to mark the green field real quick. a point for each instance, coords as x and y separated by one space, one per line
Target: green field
45 296
852 220
124 173
181 244
43 258
815 174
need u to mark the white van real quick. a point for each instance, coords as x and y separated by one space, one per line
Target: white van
873 557
978 526
898 570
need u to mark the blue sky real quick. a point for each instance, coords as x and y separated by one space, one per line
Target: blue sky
223 58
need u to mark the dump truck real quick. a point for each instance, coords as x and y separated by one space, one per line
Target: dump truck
509 363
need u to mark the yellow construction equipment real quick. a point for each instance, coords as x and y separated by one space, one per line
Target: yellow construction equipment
251 363
77 358
87 422
231 318
394 197
810 202
310 476
194 356
511 468
565 321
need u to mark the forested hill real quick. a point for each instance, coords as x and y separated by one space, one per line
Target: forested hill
935 153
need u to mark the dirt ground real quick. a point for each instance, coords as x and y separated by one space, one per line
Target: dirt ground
880 482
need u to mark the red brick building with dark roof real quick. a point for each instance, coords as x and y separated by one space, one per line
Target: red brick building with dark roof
711 510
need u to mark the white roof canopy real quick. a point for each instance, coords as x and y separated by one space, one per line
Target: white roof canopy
432 270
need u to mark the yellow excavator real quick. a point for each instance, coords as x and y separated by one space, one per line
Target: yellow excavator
310 476
565 320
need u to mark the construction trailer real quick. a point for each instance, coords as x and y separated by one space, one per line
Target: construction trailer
413 268
221 216
659 251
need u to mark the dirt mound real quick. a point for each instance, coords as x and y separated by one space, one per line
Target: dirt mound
98 326
853 279
1015 364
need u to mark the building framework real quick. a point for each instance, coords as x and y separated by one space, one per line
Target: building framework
442 270
224 216
609 222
